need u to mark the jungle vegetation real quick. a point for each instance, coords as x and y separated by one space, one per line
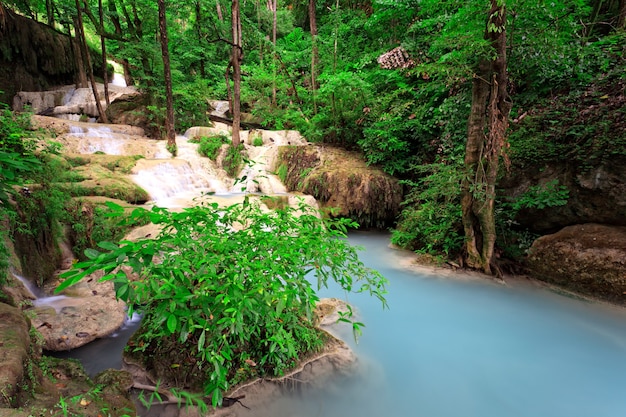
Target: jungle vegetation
444 95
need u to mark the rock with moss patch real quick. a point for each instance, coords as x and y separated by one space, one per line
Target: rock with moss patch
341 180
589 259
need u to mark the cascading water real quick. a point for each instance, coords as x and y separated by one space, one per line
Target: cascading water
445 347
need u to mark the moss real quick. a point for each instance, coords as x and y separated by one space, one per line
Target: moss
341 180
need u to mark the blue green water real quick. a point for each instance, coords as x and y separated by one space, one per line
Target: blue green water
450 348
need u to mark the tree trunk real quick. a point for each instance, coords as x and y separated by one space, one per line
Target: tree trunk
167 75
236 59
218 8
50 12
104 55
273 8
314 52
81 75
199 32
128 78
87 62
621 17
486 137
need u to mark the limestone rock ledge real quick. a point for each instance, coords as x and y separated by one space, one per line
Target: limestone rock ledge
14 351
589 259
85 312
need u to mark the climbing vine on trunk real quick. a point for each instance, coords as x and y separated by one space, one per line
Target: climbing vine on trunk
486 138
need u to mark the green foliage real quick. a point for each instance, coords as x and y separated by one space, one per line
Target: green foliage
233 160
281 172
431 221
513 241
257 141
92 223
210 146
233 285
17 151
550 194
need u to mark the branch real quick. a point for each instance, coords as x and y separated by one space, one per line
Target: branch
99 28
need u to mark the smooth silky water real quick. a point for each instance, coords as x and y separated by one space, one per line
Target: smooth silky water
449 348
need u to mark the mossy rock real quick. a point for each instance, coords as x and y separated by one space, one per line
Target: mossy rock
342 181
99 180
118 163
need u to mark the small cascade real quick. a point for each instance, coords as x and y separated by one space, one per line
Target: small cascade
32 289
39 298
68 96
118 80
220 108
84 139
256 176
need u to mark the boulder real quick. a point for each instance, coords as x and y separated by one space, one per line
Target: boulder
341 180
132 109
588 258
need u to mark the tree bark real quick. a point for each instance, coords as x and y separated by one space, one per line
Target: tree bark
87 62
81 75
167 75
218 8
273 8
621 17
314 52
104 55
236 59
486 138
199 32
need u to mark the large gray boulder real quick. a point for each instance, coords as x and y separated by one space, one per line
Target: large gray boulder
588 258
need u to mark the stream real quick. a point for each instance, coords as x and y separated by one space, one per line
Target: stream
448 347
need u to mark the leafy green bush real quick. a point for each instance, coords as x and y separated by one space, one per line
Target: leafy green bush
431 222
91 223
233 161
257 141
210 145
230 286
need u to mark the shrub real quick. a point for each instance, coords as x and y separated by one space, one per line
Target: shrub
209 146
233 161
257 141
232 286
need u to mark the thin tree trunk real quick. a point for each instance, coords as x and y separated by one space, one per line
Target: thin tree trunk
104 55
81 79
621 17
199 32
273 8
87 63
218 8
50 12
167 75
236 63
314 52
486 137
128 78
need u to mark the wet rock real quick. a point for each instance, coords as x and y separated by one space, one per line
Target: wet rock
14 351
589 259
79 315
